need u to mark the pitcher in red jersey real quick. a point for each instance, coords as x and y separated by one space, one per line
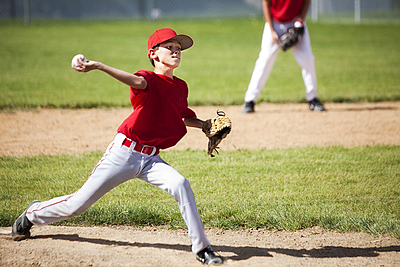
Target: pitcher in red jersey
158 121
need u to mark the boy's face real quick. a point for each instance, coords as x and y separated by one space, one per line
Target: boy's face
169 53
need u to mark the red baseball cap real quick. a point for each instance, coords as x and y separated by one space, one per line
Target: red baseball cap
166 34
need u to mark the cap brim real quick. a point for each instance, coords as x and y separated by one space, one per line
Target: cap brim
185 41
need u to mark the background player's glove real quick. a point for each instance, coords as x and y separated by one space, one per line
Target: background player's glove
216 129
292 36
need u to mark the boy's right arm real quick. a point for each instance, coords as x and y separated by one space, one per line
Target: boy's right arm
268 18
137 82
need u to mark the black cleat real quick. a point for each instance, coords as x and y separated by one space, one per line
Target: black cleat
316 105
208 257
22 226
248 107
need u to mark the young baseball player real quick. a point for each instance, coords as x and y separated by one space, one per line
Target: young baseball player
279 16
158 121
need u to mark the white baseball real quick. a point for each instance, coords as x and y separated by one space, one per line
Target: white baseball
75 59
298 24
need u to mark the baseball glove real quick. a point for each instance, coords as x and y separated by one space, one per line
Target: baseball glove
292 36
216 129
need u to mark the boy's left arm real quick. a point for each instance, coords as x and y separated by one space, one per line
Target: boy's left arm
215 129
304 10
194 122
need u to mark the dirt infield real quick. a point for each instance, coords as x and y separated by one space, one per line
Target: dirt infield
57 131
27 133
126 246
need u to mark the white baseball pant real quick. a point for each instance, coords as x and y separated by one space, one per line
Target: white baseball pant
267 57
120 164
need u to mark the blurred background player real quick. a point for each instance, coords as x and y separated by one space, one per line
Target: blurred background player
279 16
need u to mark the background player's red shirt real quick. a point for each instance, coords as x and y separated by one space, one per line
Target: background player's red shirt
158 111
285 10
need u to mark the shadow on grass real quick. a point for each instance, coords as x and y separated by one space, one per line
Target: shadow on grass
240 253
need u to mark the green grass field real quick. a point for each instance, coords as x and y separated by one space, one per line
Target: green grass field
346 189
354 62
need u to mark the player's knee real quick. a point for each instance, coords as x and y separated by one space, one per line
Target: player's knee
179 184
72 213
74 210
182 182
307 58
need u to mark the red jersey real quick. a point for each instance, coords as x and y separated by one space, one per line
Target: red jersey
285 10
158 111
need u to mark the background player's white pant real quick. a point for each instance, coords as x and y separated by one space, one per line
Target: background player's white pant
267 57
120 164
